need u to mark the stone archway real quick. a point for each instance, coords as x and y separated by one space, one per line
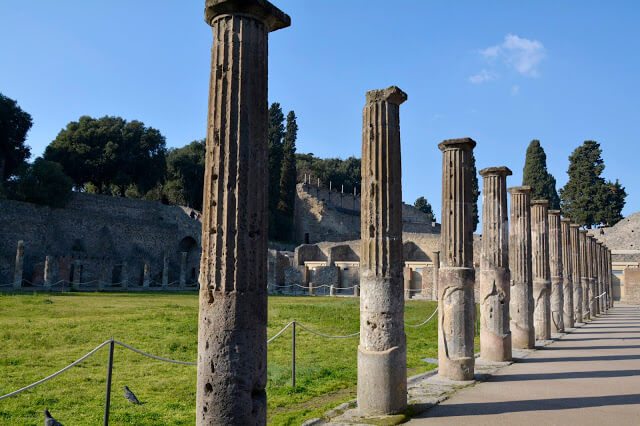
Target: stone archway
189 245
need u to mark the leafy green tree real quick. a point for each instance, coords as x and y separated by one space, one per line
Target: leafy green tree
288 177
276 134
14 125
587 198
185 175
423 205
535 175
42 182
111 154
335 170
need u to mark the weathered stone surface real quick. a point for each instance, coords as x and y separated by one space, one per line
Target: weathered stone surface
146 276
541 270
49 271
19 265
567 269
495 333
436 275
232 340
576 267
600 277
77 274
584 274
457 312
165 270
183 269
382 378
557 272
521 306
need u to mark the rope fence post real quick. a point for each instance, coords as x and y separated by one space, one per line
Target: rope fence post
293 356
107 399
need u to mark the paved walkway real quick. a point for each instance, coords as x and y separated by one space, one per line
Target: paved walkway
589 377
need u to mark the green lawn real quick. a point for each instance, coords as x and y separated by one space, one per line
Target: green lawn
41 333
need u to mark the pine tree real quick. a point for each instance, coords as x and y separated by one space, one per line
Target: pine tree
288 177
276 133
587 198
423 205
536 175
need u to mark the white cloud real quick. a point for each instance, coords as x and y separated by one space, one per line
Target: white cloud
490 52
482 76
515 90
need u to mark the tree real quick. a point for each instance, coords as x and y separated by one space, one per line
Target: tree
288 177
14 125
423 205
276 134
475 192
42 182
535 175
586 198
335 170
185 175
111 154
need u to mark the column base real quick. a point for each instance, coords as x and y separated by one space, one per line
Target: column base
382 381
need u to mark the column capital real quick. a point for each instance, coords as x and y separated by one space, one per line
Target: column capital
391 94
263 10
543 203
555 212
461 143
575 226
519 190
565 220
495 171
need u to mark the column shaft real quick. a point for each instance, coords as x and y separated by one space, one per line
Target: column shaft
183 269
557 272
382 353
585 271
48 271
436 275
495 334
576 267
567 278
457 312
541 270
19 265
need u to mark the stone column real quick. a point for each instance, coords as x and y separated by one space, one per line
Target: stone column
19 268
593 292
124 275
356 290
146 278
436 275
541 270
610 277
382 353
584 275
102 280
576 271
521 306
332 290
77 269
557 272
495 278
165 271
232 324
567 278
406 275
600 279
48 271
457 309
183 269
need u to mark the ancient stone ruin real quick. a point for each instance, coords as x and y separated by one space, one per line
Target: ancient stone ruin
541 270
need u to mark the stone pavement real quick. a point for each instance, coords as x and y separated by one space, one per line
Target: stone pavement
589 377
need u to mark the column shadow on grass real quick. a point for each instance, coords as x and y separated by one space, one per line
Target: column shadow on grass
452 410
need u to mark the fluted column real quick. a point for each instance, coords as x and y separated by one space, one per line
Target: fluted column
495 334
599 277
436 275
19 265
183 269
567 278
557 271
584 274
382 353
457 312
593 284
48 271
232 340
521 306
610 277
146 276
576 268
541 270
165 270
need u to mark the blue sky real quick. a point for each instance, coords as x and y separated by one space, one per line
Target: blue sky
502 73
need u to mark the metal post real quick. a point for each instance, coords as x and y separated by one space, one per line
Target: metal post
107 400
293 356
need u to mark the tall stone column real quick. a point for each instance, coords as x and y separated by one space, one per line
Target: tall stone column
19 267
232 324
610 277
495 333
593 292
521 306
541 270
146 276
165 270
48 271
436 275
77 272
557 272
590 275
576 268
382 353
599 277
567 278
457 311
125 275
406 274
183 269
584 275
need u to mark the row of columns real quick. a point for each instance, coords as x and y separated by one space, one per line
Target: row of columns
49 272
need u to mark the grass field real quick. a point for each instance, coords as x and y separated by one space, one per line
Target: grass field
41 333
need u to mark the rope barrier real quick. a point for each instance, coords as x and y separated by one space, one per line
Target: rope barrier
280 332
598 297
422 323
326 335
159 358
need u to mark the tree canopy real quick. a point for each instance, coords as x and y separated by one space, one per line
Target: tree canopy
587 198
14 125
423 205
288 178
536 175
335 170
42 182
185 174
110 153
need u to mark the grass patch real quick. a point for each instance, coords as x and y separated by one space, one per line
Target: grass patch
41 333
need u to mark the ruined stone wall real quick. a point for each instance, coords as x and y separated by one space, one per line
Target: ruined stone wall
323 215
631 291
94 230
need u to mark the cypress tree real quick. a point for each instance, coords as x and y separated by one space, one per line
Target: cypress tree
288 177
276 133
536 175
